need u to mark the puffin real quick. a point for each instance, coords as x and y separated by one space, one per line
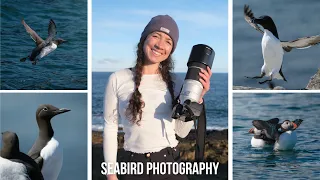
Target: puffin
267 133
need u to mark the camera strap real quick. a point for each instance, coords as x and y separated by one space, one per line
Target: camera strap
200 128
201 135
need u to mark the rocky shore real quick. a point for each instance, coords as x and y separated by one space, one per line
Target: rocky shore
216 150
314 84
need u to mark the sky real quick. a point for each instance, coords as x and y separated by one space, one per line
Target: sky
117 27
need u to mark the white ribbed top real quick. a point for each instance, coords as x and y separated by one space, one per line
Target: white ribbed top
157 129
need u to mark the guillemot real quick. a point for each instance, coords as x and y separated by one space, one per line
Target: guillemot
272 48
15 164
267 133
43 47
46 151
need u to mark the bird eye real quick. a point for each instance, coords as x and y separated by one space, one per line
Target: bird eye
45 109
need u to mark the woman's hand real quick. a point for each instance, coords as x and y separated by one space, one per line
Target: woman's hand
205 76
112 177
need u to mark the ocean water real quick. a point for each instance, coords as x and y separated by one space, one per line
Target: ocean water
216 100
303 162
64 68
294 19
70 128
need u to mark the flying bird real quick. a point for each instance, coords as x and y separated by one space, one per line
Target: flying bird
43 47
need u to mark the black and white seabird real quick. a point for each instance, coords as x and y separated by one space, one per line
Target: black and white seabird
43 47
46 151
14 164
272 48
268 133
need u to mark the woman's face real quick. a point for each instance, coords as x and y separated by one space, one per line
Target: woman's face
157 47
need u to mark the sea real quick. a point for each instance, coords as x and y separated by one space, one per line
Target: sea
17 114
294 19
216 100
64 68
303 162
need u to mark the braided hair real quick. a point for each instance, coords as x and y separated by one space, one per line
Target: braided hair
134 109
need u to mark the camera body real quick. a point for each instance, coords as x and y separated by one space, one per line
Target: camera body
188 108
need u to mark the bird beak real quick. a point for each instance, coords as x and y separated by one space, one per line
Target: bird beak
251 131
294 125
62 110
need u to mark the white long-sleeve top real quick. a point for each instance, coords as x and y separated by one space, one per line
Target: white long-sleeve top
157 129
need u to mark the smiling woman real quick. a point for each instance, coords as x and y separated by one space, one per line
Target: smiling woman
157 47
143 97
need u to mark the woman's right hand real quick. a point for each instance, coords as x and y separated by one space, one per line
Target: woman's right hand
112 177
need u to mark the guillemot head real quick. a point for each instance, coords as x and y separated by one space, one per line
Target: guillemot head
10 144
47 111
59 41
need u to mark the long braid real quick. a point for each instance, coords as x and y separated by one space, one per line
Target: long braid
165 68
134 110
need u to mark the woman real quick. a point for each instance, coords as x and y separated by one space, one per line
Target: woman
143 97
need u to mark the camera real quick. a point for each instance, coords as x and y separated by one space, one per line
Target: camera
188 107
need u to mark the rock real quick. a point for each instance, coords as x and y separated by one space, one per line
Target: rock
253 88
278 88
246 88
216 150
314 82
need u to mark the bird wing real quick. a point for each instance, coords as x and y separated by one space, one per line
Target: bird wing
249 17
37 39
268 127
301 43
260 124
51 30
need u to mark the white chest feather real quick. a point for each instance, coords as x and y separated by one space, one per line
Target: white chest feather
272 53
48 49
11 170
52 155
287 141
259 143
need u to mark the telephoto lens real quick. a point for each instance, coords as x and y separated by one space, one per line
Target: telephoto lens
200 57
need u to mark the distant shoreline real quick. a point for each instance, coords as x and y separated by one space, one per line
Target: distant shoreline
174 72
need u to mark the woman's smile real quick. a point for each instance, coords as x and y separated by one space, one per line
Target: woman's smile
157 47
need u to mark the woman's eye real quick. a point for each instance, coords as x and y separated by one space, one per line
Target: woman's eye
169 42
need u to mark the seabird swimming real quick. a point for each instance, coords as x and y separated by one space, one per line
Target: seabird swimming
288 138
267 133
46 151
14 164
43 47
272 48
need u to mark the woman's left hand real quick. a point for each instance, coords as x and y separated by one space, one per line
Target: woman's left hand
205 76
